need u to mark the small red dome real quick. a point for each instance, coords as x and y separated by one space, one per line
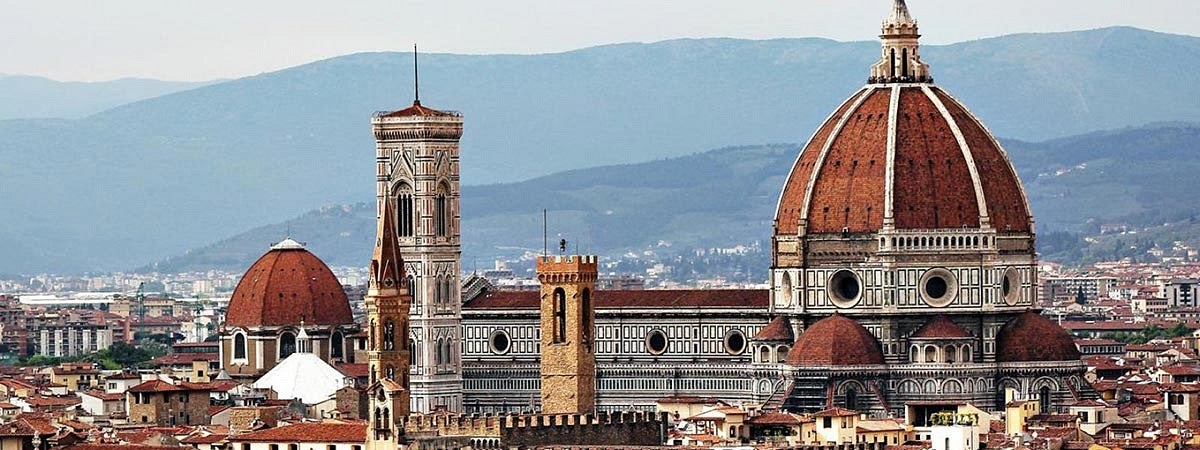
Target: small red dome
836 340
907 153
940 327
1032 337
285 286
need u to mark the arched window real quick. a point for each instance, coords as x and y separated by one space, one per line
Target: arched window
389 335
287 344
239 346
560 316
781 353
930 354
1044 401
914 354
852 398
439 356
965 354
785 290
441 210
371 335
449 354
414 290
404 208
764 354
585 309
951 354
336 345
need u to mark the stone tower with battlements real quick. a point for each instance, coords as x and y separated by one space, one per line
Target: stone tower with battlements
568 316
418 175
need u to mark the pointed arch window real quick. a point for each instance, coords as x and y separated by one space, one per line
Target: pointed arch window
389 335
404 208
441 210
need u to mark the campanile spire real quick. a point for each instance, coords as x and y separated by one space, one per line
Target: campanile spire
900 61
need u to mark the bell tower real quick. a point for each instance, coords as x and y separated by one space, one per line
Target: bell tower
388 303
568 316
418 175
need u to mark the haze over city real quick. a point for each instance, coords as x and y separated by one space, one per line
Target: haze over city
195 41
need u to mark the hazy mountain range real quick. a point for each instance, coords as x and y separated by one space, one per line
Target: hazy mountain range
28 97
1141 176
156 177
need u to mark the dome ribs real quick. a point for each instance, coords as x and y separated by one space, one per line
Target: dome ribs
1005 197
791 202
933 186
848 194
285 287
836 340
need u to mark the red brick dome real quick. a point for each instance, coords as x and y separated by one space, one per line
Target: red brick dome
836 340
285 286
908 154
1032 337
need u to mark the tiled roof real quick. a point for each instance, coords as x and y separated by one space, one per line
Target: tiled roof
309 432
285 287
836 340
163 386
836 412
934 183
417 110
651 299
1032 337
778 330
775 418
354 370
941 327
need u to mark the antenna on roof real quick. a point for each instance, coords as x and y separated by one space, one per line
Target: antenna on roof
416 78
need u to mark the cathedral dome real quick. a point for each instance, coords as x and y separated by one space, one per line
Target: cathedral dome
905 155
836 340
901 154
1032 337
286 286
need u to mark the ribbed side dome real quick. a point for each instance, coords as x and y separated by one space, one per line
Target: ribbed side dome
836 340
909 154
285 286
1031 337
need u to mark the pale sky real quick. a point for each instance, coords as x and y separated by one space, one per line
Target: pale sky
199 40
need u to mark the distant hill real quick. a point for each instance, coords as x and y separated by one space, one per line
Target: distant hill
1141 176
30 97
157 177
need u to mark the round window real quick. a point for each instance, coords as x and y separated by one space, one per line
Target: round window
656 342
844 288
1010 287
938 287
735 342
499 342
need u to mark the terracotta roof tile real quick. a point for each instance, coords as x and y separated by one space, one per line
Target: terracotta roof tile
778 330
652 298
941 327
285 287
1032 337
309 432
836 340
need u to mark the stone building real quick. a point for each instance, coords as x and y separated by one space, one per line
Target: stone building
416 151
904 251
288 286
164 404
903 267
